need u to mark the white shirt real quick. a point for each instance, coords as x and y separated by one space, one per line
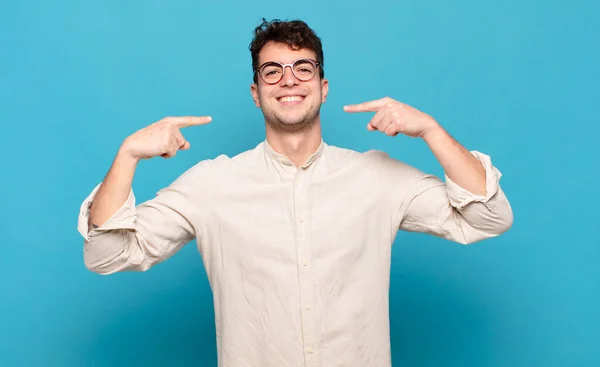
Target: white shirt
298 259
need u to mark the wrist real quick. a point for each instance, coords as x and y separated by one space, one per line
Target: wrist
433 132
124 156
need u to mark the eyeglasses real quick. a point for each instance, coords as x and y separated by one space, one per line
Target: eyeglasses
271 72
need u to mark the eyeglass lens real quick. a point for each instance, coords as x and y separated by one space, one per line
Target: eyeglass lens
303 70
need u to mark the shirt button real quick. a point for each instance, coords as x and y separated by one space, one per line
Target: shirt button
301 220
310 351
305 263
308 307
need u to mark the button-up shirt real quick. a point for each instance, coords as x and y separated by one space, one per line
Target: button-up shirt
298 258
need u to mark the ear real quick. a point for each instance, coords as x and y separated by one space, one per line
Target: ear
254 92
324 89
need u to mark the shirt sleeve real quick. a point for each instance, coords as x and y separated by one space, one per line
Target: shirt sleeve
449 211
135 238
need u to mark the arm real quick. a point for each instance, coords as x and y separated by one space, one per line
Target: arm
114 190
450 211
469 207
459 164
135 238
118 236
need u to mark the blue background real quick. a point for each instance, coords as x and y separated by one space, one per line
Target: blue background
517 80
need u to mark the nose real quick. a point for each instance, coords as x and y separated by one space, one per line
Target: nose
288 79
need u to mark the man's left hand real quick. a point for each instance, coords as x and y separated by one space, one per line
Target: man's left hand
393 117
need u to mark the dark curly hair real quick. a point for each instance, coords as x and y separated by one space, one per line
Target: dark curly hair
296 33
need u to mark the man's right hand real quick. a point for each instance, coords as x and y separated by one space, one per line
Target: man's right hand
162 138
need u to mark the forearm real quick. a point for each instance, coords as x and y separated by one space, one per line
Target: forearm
114 190
458 163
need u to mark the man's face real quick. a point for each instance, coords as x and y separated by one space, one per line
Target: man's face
290 105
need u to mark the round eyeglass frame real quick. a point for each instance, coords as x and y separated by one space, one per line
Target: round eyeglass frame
283 66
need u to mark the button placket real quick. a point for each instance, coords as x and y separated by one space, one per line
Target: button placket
305 273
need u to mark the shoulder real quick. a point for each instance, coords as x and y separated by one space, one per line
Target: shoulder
393 166
388 171
374 160
338 158
372 155
248 157
200 177
223 162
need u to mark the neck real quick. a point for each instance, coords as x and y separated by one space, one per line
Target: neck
297 146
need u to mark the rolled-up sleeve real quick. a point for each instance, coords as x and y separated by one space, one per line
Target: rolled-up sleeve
135 238
449 211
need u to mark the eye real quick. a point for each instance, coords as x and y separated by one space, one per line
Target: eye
304 67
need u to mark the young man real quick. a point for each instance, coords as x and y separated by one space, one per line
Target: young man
295 235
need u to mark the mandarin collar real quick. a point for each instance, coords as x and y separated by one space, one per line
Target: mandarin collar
284 160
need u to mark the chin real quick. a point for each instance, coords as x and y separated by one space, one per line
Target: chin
291 124
294 120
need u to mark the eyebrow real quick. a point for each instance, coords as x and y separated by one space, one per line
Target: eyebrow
281 63
269 63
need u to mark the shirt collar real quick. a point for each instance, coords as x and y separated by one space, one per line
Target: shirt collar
282 159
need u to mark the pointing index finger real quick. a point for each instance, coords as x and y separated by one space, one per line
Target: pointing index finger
185 121
371 106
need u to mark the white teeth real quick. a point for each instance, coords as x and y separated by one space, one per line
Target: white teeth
291 98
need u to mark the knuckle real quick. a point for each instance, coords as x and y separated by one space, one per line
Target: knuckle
171 129
164 120
170 152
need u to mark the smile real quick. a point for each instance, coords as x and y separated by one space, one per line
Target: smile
290 99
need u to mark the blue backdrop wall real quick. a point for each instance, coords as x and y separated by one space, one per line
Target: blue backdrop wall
517 80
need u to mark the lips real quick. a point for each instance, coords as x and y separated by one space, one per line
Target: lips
290 99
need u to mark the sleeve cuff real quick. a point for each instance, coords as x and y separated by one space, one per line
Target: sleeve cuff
460 197
123 218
